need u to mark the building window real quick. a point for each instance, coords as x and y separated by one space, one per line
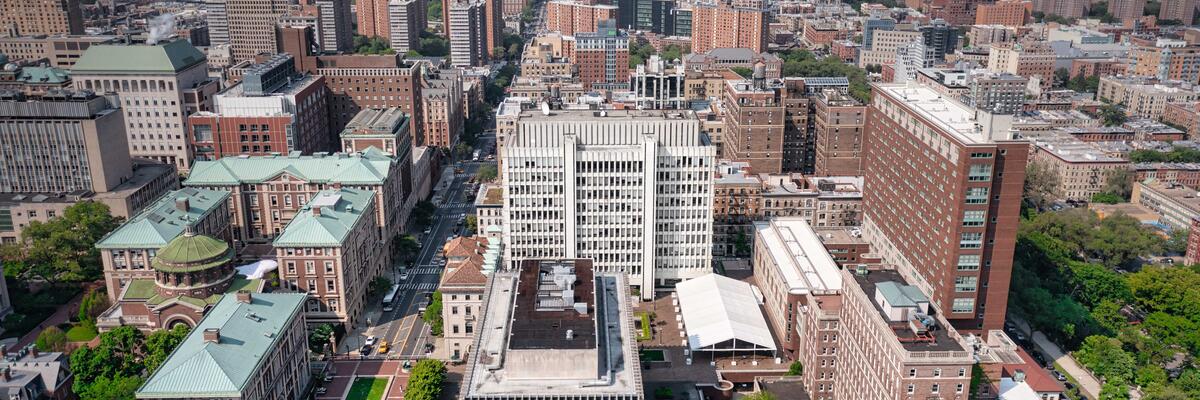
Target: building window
980 173
968 262
912 388
965 283
912 373
977 195
934 388
970 240
964 305
974 218
958 388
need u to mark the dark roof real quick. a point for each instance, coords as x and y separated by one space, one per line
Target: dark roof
534 329
941 340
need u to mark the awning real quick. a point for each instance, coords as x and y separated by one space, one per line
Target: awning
722 314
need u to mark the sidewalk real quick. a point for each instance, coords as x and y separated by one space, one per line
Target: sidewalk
1088 384
61 315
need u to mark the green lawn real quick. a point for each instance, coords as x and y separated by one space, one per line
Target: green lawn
79 333
644 329
367 388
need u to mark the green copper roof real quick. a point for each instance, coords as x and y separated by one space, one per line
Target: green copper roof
158 223
192 248
134 59
43 75
366 168
140 289
203 369
340 210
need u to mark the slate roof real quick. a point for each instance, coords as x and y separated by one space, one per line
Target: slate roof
161 221
340 210
135 59
370 167
203 369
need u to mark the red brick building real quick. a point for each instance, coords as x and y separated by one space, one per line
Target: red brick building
1192 257
570 16
1090 68
754 117
250 119
602 58
1185 116
838 122
729 23
1005 12
357 82
948 218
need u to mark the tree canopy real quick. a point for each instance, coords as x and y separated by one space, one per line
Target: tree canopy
1177 154
62 249
425 382
802 63
371 45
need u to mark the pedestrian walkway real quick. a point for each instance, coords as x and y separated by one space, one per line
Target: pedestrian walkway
1088 384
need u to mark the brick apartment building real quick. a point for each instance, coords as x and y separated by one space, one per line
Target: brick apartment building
602 57
569 17
49 17
754 118
958 247
1005 12
838 126
729 23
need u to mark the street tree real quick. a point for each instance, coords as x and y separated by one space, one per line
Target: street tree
425 381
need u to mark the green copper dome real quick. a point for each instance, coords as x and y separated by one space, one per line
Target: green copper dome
192 253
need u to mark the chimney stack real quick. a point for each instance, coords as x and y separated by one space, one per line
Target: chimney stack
1019 375
316 210
243 296
212 335
33 351
6 374
182 204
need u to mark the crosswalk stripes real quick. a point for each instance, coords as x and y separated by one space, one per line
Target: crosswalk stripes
419 286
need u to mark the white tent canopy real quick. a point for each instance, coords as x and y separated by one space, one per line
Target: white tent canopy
257 269
722 314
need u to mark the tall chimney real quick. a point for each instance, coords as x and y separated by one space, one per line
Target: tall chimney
243 296
212 335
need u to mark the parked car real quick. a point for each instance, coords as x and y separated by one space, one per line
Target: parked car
371 341
365 350
404 276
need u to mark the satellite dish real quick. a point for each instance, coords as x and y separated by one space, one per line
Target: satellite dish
545 108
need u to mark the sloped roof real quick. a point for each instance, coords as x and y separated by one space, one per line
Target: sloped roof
339 210
466 274
43 75
162 221
169 57
718 309
367 167
203 369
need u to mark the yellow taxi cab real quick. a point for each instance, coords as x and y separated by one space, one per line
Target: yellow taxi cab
383 346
